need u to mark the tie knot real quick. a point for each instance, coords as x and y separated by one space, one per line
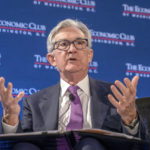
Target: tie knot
73 89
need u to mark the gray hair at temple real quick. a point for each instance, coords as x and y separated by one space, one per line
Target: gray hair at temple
68 23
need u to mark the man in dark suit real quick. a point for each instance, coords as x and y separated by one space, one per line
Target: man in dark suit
99 104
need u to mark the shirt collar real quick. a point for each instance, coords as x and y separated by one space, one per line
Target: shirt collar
83 84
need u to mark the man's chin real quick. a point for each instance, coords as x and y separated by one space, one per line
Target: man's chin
73 70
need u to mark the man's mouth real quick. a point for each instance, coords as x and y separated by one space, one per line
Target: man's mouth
72 59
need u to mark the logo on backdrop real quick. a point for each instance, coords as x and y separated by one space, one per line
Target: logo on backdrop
27 91
42 63
137 69
136 11
93 67
77 5
121 39
22 28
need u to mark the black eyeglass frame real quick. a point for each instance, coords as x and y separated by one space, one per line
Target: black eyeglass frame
70 42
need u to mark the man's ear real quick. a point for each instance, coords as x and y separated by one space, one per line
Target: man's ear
90 55
51 59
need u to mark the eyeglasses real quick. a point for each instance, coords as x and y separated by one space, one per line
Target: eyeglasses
64 45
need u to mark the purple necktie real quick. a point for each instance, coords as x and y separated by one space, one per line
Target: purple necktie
76 116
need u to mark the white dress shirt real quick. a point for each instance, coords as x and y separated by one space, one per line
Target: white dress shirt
65 103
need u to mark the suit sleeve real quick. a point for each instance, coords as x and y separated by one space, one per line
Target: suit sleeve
26 123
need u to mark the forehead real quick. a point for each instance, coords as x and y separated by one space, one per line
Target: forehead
69 33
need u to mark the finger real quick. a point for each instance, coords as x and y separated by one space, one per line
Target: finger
116 93
19 97
113 101
129 86
9 89
2 87
121 87
135 81
132 85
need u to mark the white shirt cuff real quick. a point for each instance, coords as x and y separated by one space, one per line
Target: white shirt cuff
8 128
133 130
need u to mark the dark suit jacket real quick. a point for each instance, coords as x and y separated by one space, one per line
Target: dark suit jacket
40 110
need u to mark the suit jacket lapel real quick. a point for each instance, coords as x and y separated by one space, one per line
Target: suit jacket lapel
98 107
49 107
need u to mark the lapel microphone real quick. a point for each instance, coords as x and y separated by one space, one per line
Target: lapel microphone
71 97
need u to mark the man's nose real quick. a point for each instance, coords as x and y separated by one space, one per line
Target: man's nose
72 48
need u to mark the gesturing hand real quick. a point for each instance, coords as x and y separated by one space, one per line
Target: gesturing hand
11 108
125 103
